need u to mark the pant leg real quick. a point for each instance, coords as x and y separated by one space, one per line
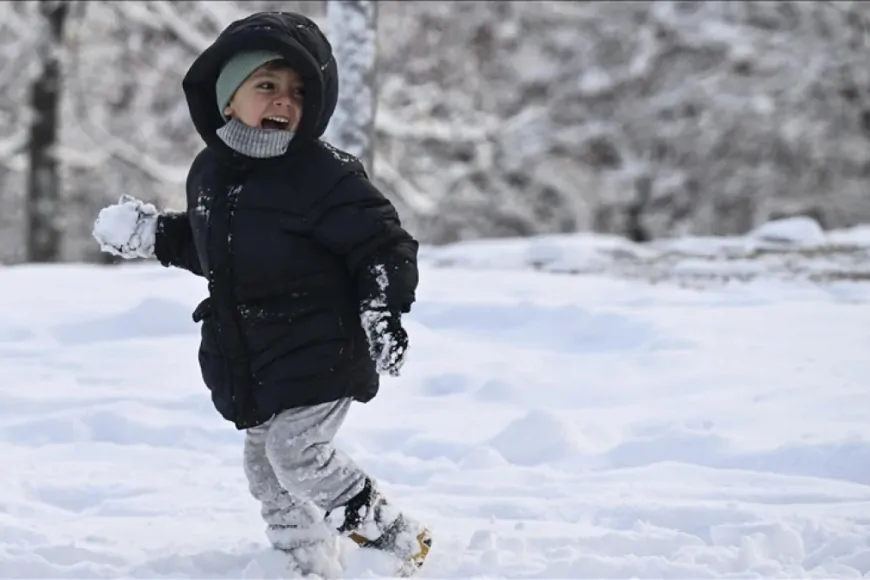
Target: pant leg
291 521
300 450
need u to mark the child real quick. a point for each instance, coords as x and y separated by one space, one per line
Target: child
308 271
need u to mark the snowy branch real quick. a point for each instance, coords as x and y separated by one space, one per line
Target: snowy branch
77 158
389 124
160 15
221 13
136 158
187 34
408 193
14 145
135 12
597 83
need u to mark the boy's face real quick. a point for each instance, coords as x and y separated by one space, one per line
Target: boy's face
271 98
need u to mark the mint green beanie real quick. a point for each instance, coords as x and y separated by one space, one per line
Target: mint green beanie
236 70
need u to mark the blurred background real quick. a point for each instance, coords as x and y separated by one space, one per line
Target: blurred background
647 120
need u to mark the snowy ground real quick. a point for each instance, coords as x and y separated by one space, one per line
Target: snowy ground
547 426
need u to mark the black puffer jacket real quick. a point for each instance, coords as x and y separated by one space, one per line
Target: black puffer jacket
288 244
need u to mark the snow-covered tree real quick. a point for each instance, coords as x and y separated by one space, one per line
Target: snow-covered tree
646 119
352 29
494 118
44 205
17 20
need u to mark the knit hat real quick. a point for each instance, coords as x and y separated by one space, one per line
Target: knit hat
236 71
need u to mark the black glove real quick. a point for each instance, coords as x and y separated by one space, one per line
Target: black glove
388 341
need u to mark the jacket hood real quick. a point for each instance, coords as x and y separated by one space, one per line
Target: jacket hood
298 39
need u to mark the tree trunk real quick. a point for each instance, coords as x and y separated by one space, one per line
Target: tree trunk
43 179
353 35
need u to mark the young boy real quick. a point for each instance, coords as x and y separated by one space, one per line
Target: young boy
308 270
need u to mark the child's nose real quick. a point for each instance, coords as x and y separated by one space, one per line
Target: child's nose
285 101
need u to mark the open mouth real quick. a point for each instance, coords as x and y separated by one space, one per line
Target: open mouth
275 123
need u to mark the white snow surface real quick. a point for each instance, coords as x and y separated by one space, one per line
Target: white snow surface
545 426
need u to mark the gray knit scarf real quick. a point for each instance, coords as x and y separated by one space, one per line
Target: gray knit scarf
253 141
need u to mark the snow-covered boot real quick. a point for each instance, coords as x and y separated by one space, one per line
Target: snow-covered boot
309 549
372 522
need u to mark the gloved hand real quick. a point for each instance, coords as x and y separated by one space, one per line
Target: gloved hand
388 341
127 228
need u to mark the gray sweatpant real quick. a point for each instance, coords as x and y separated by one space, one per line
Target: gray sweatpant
293 469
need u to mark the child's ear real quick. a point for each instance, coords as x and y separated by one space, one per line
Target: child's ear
228 112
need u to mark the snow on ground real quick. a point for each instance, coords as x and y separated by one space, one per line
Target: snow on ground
546 426
788 249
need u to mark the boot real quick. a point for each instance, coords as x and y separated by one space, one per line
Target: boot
372 522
